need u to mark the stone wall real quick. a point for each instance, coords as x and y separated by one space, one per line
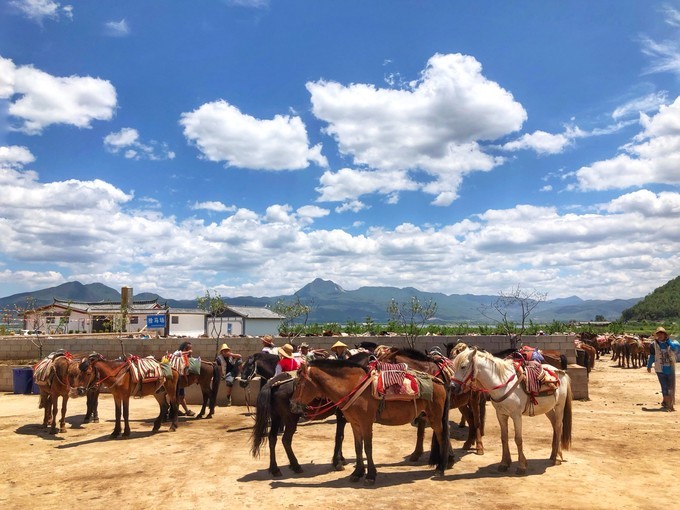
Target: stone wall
22 350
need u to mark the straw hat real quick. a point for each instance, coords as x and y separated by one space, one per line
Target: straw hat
286 351
304 344
338 344
224 347
267 339
660 330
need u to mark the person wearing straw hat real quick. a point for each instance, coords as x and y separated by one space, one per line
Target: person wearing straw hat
663 359
340 351
268 345
229 363
287 363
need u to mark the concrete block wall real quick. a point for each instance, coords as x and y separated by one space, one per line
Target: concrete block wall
21 349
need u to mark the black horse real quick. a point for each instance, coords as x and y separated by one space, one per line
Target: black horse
273 411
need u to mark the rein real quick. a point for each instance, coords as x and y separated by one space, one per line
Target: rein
471 378
341 404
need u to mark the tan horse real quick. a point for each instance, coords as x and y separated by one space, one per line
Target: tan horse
117 377
57 382
348 385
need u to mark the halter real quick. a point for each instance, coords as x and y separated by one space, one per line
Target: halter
342 403
471 379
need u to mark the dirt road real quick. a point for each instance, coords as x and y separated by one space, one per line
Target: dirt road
625 454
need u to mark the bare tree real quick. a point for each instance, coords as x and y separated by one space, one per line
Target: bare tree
292 311
513 307
411 317
215 306
39 322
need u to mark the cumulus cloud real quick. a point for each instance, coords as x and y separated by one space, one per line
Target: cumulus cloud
127 141
38 99
223 133
15 156
212 206
432 124
652 157
88 230
38 10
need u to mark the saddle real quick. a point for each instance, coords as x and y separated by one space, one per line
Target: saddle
145 369
186 365
42 371
536 379
395 381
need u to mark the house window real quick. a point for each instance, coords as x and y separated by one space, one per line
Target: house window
175 319
229 328
134 319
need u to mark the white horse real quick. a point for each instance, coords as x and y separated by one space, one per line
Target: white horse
482 371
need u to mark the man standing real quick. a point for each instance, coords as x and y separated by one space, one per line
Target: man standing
229 363
663 358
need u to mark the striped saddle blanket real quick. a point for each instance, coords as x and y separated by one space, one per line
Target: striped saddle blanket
185 365
394 381
537 380
144 369
42 371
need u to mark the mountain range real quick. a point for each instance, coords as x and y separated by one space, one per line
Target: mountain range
330 303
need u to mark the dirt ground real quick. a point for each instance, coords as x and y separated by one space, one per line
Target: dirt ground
625 454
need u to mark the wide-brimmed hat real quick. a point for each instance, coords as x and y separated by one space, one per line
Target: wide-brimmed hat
304 344
338 344
660 330
267 339
225 347
286 351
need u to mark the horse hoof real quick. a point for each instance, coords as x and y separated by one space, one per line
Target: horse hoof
339 466
414 457
503 468
114 435
369 481
521 471
96 420
354 478
86 420
296 469
63 429
275 472
556 462
451 462
209 417
53 431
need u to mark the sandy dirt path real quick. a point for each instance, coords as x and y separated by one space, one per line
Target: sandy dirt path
625 454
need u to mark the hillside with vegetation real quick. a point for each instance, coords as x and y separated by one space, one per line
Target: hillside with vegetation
663 304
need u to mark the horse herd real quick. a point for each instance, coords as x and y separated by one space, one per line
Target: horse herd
629 351
463 379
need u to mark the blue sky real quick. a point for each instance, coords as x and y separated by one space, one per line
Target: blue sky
248 147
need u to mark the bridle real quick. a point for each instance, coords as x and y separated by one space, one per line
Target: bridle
470 380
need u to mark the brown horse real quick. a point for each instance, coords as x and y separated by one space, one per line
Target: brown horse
472 404
209 381
117 377
55 381
347 385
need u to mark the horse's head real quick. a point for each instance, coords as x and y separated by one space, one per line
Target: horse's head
306 389
248 370
83 374
463 370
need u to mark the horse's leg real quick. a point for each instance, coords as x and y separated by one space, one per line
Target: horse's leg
88 407
505 459
372 473
55 408
359 468
338 459
116 428
126 416
420 437
478 404
95 405
287 440
164 407
272 437
62 422
468 416
521 459
557 434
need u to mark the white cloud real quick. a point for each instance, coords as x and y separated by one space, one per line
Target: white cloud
39 99
652 157
38 10
351 206
432 124
213 206
255 4
645 104
117 28
127 140
541 142
222 133
15 156
348 183
87 230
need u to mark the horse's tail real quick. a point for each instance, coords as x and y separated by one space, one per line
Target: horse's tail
262 416
566 415
439 450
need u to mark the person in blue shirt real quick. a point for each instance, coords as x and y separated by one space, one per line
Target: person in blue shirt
663 357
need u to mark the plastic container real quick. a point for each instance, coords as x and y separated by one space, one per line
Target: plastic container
22 378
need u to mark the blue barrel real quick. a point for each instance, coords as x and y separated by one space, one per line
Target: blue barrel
22 377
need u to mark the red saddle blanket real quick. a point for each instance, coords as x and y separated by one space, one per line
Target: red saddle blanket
143 369
536 378
394 382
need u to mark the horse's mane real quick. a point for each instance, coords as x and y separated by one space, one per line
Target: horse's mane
330 364
499 365
414 354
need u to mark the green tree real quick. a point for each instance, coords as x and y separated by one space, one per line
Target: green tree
411 317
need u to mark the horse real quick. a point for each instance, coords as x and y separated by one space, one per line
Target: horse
54 377
260 363
90 388
346 383
117 377
273 410
472 404
499 378
209 381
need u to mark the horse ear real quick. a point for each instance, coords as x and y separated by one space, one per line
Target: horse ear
474 350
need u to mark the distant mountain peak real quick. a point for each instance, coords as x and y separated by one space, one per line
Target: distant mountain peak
321 287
